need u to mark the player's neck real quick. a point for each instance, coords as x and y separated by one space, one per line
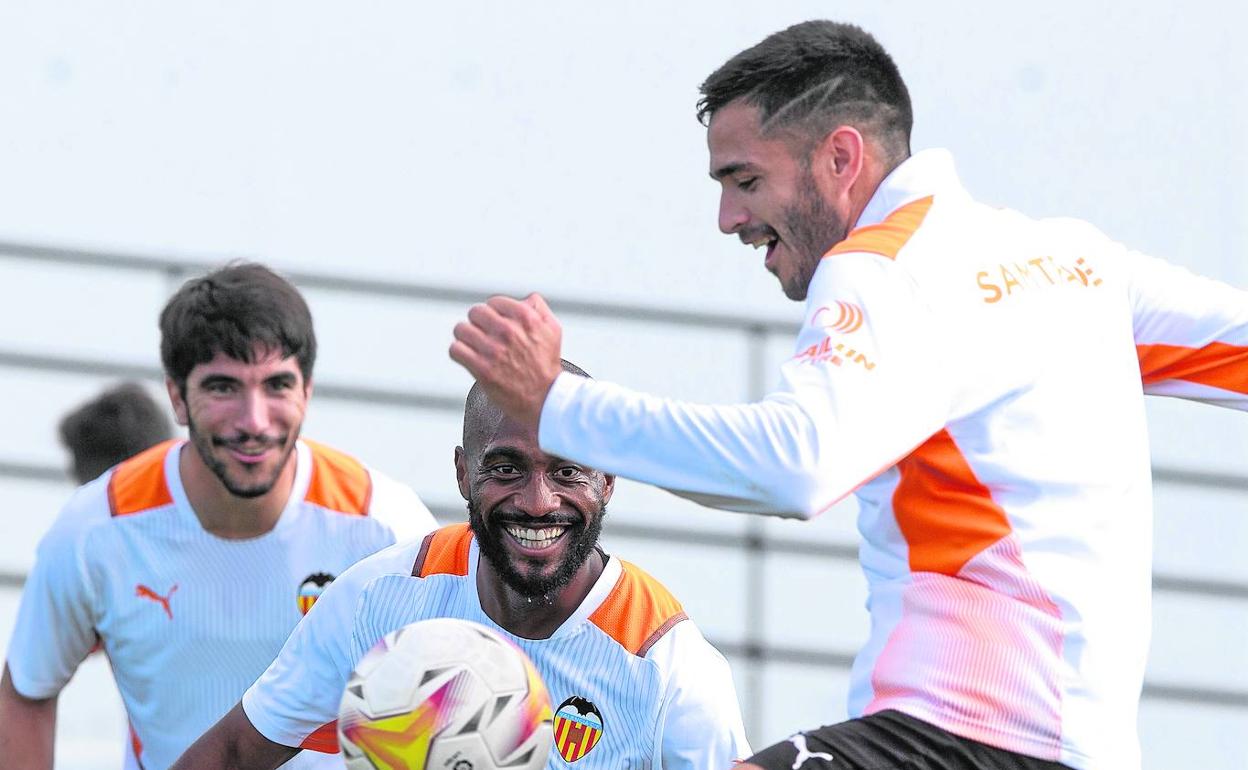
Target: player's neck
534 617
225 514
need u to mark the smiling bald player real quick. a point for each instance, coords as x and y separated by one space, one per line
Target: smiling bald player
613 646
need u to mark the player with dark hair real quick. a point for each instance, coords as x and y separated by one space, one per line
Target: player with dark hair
191 562
114 426
631 680
242 311
973 376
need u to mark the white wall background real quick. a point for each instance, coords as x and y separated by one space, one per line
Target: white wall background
552 146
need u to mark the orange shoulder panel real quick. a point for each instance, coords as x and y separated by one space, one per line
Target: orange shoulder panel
886 238
638 611
1217 365
945 513
444 552
139 484
339 481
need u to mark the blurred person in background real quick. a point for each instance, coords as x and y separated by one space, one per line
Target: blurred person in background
632 681
115 425
191 562
975 377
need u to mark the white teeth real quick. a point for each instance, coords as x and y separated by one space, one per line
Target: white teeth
534 538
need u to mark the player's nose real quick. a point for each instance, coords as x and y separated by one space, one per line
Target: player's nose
538 496
253 413
732 214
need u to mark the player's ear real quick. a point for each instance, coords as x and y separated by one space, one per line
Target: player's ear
608 487
461 471
177 401
307 389
837 161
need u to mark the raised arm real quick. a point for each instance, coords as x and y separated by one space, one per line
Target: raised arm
864 387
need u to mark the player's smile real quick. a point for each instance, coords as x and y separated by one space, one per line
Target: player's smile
535 553
534 539
763 237
249 451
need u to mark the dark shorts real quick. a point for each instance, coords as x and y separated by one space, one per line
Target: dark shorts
890 740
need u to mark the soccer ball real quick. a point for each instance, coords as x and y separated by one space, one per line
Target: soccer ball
445 694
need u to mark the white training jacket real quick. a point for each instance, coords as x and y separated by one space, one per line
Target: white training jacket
976 378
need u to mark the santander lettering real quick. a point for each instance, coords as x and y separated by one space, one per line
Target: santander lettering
1007 279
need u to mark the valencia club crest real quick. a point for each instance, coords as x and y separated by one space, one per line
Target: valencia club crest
578 728
311 588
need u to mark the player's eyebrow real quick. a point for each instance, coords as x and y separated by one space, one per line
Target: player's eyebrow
282 378
728 169
218 379
507 453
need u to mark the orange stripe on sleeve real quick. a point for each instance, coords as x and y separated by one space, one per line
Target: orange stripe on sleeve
888 237
139 484
339 482
323 739
638 611
946 515
1217 365
444 552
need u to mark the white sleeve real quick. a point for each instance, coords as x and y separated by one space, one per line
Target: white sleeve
397 506
701 718
864 388
56 619
1191 333
298 694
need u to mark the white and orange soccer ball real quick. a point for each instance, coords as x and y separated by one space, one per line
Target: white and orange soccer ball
445 694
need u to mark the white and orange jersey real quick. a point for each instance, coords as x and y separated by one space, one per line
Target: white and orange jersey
976 377
188 620
632 681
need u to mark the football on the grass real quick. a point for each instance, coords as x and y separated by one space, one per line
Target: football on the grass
445 694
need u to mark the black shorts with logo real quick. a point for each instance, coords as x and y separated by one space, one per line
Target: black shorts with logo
890 740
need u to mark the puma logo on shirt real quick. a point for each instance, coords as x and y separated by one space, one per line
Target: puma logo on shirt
144 592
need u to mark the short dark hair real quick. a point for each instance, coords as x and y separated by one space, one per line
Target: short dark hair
234 310
814 76
114 426
476 401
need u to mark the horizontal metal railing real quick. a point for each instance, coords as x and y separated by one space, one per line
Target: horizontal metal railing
176 268
755 543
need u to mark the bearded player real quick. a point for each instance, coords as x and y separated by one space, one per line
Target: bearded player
976 378
190 563
615 649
